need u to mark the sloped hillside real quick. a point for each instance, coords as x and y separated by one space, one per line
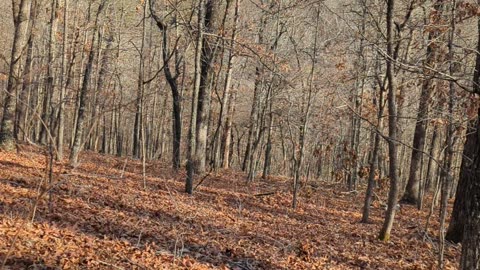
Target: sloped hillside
99 216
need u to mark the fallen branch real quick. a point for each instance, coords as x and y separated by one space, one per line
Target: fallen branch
203 179
264 194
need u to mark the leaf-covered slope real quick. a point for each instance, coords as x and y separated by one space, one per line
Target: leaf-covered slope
100 217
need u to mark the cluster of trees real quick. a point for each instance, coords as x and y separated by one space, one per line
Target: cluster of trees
358 92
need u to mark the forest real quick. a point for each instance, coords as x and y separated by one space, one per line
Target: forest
240 134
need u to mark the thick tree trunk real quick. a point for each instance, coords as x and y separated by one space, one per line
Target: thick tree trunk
413 185
470 173
469 210
22 102
209 51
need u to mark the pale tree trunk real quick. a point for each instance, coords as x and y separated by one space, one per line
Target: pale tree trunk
222 120
7 139
227 134
22 104
268 148
392 129
63 84
192 156
446 176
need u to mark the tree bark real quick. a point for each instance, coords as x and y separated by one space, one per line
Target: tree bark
413 185
77 142
192 155
7 139
209 50
465 223
392 130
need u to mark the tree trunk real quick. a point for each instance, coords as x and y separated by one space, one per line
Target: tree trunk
413 185
45 128
7 139
373 159
22 102
467 204
227 138
209 49
192 155
392 130
470 173
77 142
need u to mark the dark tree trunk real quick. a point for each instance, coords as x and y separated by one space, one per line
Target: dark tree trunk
470 173
470 180
209 51
457 221
77 142
413 185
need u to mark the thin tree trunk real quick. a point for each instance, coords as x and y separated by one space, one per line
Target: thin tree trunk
392 130
448 155
192 156
373 159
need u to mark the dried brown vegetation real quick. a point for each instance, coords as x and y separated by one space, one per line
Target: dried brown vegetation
100 220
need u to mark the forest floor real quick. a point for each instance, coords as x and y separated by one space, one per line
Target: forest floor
99 216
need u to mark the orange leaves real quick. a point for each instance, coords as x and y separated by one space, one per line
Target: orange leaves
103 222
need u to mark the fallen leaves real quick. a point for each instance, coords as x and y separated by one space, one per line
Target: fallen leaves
101 221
